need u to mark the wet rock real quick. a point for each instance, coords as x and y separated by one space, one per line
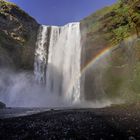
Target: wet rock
131 138
2 105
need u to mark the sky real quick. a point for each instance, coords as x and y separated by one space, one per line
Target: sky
61 12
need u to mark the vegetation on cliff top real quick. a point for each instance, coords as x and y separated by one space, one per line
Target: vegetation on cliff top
16 17
126 20
114 22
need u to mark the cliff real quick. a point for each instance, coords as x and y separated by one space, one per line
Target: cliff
115 27
117 75
18 33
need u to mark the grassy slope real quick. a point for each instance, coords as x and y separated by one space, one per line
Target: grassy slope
122 76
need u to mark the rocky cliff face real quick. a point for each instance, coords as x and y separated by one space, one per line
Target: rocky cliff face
119 77
18 33
96 37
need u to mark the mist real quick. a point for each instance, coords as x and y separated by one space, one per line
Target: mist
19 89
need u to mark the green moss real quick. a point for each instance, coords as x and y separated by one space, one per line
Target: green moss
6 6
109 24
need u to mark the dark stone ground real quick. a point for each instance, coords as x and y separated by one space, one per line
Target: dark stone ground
112 123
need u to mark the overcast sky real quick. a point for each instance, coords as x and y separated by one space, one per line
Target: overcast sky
60 12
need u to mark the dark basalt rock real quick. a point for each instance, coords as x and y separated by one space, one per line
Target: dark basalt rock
2 105
113 123
18 33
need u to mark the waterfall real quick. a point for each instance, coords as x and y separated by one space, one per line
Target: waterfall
60 69
40 55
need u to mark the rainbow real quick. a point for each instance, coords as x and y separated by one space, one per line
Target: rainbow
103 52
99 56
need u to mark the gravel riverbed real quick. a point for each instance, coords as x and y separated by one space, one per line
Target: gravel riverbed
111 123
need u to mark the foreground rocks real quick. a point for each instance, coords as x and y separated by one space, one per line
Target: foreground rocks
114 123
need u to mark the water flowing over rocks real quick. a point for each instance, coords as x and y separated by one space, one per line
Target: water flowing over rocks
58 60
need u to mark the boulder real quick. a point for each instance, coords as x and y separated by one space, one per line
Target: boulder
2 105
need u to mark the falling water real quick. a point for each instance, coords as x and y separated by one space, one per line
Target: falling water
40 55
61 69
